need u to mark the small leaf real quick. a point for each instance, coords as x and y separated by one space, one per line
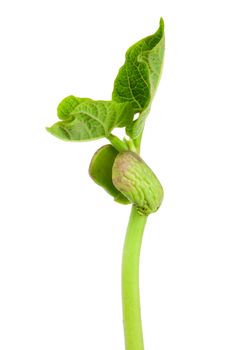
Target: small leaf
91 120
68 104
100 171
138 78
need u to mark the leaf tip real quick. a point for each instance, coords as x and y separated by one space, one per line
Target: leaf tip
48 128
161 26
58 131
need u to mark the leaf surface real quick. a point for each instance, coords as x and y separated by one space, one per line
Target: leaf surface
68 104
138 78
91 120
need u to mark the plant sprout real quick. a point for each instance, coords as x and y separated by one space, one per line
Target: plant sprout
117 167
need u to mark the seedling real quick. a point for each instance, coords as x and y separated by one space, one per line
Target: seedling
117 167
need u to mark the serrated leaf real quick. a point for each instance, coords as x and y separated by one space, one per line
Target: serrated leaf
138 78
68 104
91 120
100 171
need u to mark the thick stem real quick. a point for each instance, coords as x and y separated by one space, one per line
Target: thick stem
130 282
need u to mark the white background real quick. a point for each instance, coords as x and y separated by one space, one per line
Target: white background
61 235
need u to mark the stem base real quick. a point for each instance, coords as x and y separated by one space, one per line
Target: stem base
130 281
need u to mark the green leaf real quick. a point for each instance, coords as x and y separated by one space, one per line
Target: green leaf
100 171
68 104
91 120
138 78
135 128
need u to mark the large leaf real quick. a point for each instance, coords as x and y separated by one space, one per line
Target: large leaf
68 104
138 78
91 120
100 171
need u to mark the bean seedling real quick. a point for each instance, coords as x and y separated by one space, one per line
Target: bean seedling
117 167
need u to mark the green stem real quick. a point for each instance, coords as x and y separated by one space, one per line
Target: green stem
130 282
130 145
137 142
119 145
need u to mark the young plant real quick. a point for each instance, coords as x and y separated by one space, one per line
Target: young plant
117 167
